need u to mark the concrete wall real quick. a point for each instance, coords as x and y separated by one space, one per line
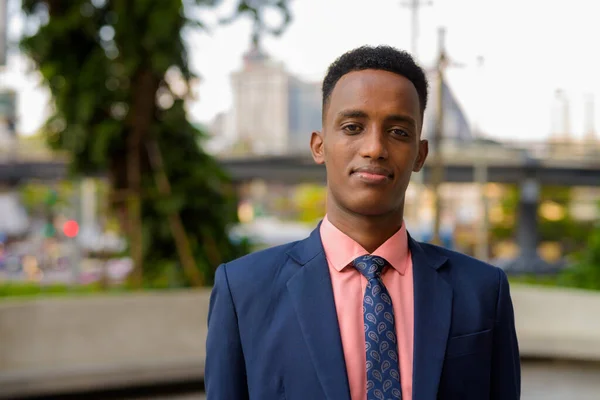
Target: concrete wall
83 343
557 323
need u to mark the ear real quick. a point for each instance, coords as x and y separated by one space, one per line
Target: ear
422 156
317 148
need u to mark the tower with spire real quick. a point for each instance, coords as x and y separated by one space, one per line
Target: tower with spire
273 111
590 134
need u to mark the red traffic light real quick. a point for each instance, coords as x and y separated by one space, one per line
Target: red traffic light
71 228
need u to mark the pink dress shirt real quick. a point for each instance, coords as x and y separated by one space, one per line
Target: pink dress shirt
348 290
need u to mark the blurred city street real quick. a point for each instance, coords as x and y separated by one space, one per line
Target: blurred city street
136 156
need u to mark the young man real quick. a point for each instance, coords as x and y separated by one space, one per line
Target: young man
359 310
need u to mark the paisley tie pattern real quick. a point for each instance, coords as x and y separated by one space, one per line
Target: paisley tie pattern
383 377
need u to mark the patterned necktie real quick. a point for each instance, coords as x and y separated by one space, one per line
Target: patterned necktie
383 378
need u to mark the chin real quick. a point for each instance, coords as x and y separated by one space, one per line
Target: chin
371 207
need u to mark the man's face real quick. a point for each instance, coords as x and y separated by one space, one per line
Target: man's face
370 141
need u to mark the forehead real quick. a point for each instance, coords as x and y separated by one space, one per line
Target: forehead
375 92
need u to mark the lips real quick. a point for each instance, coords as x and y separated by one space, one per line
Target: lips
373 170
373 175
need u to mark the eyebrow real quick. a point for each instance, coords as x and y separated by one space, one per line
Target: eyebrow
401 118
389 118
352 114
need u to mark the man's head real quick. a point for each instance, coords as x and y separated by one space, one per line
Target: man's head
373 104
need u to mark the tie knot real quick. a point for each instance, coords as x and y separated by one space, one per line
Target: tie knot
370 266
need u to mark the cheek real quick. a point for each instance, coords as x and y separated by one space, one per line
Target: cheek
408 164
339 153
407 157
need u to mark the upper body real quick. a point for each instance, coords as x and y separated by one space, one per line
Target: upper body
285 323
274 331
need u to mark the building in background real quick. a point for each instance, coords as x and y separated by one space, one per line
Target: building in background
273 111
8 118
590 134
304 113
260 104
3 31
456 127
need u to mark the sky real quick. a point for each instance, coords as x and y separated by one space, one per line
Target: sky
530 49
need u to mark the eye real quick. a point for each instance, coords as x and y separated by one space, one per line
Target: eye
352 128
399 132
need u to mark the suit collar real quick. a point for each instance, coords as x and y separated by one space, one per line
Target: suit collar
307 249
429 258
312 296
433 315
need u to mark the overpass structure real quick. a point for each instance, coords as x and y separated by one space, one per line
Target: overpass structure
22 161
549 164
460 165
15 171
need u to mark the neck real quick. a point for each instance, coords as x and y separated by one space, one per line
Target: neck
370 231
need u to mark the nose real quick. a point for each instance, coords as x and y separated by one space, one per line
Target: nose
374 144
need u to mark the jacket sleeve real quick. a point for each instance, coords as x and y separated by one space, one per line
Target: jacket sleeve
506 363
225 372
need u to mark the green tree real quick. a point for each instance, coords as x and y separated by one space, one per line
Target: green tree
112 67
506 228
566 230
310 202
585 271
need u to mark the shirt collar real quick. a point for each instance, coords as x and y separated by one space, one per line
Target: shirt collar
341 250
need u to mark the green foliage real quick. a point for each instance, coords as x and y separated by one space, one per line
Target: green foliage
566 230
536 280
585 272
32 290
310 203
109 66
37 197
507 229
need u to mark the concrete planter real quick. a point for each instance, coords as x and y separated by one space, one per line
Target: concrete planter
84 343
557 323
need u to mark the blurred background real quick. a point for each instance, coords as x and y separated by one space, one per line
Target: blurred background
143 143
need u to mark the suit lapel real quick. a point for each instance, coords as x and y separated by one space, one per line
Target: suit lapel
312 295
433 313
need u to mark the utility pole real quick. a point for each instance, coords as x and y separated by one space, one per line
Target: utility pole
589 119
483 226
481 174
3 32
417 178
438 162
414 6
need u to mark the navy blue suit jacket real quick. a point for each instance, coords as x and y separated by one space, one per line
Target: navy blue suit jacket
273 332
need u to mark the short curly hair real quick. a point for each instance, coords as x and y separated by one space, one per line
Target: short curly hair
384 58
